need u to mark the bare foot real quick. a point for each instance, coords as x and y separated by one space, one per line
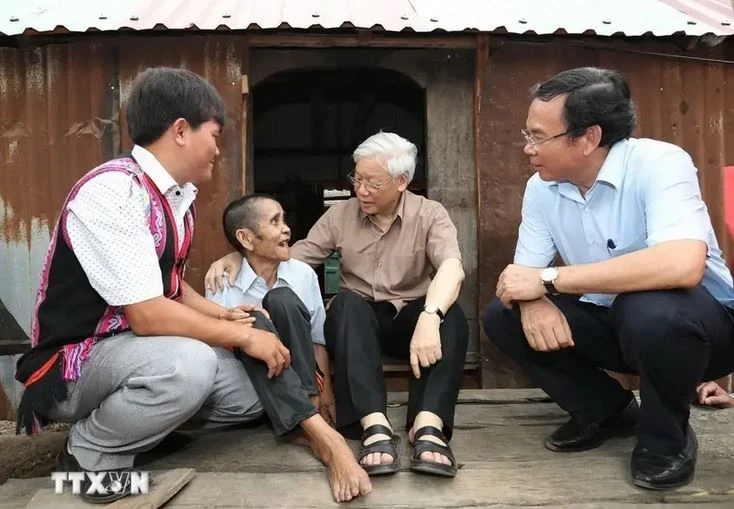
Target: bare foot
347 479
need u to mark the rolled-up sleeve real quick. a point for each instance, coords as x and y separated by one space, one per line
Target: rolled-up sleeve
443 242
674 209
535 246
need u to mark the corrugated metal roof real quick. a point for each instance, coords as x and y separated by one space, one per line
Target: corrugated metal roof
711 12
628 17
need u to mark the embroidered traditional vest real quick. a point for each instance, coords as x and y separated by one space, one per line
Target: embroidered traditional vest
70 316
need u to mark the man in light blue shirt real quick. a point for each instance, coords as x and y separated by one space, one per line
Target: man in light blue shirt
643 287
284 297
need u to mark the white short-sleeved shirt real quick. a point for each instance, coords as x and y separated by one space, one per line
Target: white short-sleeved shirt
249 288
108 227
646 193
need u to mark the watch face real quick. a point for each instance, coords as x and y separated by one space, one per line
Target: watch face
549 274
429 308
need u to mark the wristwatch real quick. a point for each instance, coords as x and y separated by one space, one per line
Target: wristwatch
433 310
548 278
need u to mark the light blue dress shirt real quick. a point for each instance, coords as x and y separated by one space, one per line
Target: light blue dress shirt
646 193
249 288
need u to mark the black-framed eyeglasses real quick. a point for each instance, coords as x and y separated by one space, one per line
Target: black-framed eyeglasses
368 185
535 142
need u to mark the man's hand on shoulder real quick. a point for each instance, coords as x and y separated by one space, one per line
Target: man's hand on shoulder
230 264
518 283
545 326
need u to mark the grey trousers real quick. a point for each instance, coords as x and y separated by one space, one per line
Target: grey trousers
133 391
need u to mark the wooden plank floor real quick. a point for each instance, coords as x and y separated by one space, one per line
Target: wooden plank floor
498 442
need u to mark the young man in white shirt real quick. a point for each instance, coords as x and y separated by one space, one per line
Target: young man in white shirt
124 349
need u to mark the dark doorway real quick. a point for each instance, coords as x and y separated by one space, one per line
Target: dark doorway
307 123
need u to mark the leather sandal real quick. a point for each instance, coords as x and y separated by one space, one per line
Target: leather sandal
384 446
420 446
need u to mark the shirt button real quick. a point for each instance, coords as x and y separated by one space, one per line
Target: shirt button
178 193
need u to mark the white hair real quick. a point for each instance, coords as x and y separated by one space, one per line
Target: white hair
396 154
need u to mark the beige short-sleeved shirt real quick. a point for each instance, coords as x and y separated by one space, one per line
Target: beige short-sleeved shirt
396 265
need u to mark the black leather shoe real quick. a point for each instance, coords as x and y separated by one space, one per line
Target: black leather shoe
113 488
574 438
656 471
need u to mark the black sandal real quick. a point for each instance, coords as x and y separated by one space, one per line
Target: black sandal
385 446
421 446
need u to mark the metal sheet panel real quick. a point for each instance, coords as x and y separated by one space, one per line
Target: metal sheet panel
55 117
628 17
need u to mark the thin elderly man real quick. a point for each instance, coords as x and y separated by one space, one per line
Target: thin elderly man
401 276
288 291
643 289
123 348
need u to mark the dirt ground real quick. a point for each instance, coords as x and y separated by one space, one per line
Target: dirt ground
23 456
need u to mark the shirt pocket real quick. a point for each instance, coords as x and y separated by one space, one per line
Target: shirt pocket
640 242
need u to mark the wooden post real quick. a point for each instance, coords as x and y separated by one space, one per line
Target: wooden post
481 64
243 130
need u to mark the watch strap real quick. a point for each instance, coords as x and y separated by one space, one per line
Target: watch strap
550 287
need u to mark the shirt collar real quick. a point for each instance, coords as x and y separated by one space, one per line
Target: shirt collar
612 171
247 276
155 170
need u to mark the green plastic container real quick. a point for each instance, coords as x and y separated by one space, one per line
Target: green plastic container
332 269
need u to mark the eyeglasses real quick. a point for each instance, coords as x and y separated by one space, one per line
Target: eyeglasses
368 185
534 142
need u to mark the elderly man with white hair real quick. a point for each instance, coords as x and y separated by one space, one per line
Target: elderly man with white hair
401 276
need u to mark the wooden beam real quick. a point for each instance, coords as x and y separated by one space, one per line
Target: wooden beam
352 41
14 346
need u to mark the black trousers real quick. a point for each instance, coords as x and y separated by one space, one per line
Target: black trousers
285 398
357 333
673 339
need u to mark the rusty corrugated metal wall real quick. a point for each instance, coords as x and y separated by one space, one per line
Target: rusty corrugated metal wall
56 123
685 102
59 117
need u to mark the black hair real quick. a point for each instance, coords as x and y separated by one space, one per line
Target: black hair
161 95
594 97
242 213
